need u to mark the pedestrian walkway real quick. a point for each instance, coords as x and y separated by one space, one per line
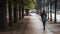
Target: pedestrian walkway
29 25
17 28
35 26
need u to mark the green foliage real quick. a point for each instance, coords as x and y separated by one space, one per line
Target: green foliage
30 4
27 4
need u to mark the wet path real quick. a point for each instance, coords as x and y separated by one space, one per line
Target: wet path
35 26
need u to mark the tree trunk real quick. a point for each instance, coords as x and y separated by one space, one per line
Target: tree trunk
27 12
18 11
7 12
22 12
48 2
10 14
15 14
3 14
50 11
55 10
20 15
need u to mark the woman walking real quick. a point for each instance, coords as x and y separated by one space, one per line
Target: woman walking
44 18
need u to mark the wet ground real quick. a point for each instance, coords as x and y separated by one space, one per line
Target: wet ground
35 26
32 24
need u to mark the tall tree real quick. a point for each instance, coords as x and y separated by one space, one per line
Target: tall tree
22 4
20 8
3 14
50 10
25 3
55 10
10 12
20 12
30 5
15 11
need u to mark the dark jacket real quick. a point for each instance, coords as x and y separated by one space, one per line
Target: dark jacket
44 17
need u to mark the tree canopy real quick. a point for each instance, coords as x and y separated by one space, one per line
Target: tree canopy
28 4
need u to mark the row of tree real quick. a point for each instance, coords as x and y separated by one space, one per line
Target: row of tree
13 7
52 3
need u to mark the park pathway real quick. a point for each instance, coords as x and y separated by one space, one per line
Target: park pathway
35 26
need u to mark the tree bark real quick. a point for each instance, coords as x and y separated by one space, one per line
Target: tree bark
3 14
10 14
55 10
48 7
18 11
15 14
22 12
50 11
